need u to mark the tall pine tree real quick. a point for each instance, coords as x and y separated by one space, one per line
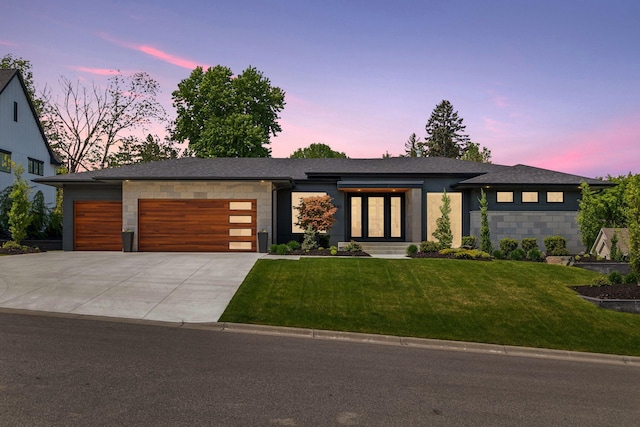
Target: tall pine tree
445 137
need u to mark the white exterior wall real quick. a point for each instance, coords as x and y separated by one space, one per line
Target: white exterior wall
132 191
23 139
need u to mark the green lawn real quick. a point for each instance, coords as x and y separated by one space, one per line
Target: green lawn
502 302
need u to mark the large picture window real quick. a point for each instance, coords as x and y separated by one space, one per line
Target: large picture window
296 198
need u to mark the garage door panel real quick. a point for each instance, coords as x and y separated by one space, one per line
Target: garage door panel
97 225
195 225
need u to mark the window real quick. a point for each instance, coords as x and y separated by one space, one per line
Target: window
529 197
504 196
15 111
5 161
36 167
555 197
296 198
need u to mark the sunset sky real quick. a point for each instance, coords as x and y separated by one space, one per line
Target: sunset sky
553 84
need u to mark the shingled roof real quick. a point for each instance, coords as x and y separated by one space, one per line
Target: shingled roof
191 168
280 169
528 175
5 77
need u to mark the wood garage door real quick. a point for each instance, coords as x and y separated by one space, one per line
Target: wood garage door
196 225
97 225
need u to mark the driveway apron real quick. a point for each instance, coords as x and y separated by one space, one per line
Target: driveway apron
175 287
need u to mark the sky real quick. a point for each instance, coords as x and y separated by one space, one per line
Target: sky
553 84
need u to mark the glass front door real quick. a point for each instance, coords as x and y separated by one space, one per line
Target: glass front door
376 217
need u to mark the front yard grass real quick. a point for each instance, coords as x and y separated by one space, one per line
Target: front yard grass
500 302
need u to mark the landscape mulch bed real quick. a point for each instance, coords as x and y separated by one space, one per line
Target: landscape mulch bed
327 252
625 291
29 250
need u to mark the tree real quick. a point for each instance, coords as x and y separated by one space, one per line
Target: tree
223 116
19 217
413 147
5 207
485 231
39 216
473 153
444 133
132 150
316 212
24 66
632 199
317 151
605 208
589 221
87 123
443 224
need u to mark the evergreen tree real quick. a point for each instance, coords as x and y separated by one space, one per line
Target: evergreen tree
485 231
443 224
413 147
444 133
19 217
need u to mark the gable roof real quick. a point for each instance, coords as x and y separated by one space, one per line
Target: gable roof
606 234
528 175
6 75
286 169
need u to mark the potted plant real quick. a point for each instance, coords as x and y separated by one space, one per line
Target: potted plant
127 240
263 241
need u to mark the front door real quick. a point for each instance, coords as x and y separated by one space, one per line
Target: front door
376 217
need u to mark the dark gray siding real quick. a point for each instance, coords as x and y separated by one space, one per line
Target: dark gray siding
73 192
284 216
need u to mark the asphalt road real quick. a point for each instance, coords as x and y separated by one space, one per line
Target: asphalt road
57 371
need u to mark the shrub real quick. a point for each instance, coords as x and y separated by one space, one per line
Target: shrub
273 248
469 241
353 246
556 245
39 217
412 250
309 241
631 278
333 250
282 249
535 255
498 254
429 246
508 245
615 278
10 244
529 243
294 245
461 253
517 254
323 240
601 280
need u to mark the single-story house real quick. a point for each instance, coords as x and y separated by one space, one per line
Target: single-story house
602 244
219 204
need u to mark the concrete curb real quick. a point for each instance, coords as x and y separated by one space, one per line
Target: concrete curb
427 343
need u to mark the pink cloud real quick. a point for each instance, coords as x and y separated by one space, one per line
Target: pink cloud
498 100
608 149
96 71
496 127
154 52
6 43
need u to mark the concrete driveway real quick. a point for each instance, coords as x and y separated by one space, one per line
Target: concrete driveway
189 287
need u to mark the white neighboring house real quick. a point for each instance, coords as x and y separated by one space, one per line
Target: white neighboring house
22 138
602 244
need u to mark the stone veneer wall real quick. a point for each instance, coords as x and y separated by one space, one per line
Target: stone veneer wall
134 190
521 224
